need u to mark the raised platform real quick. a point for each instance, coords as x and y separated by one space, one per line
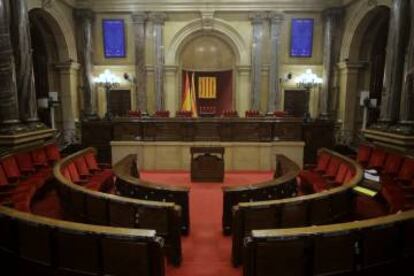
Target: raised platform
390 140
266 130
239 156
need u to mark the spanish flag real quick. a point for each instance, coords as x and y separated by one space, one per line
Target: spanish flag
187 101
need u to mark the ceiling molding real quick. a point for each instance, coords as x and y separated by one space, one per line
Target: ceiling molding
217 5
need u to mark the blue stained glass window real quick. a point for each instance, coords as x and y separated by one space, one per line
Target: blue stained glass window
114 38
301 39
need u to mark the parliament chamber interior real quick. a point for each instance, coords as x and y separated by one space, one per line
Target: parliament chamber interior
206 138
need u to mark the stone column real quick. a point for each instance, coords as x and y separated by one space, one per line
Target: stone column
85 17
68 98
257 22
22 46
140 74
9 107
158 26
394 63
332 35
407 97
275 94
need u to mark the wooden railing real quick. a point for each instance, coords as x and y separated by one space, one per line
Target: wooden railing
283 186
34 245
84 205
129 185
380 246
330 206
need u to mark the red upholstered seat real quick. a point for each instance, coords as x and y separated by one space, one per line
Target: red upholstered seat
333 167
91 161
349 175
406 173
341 174
364 154
392 164
82 166
11 169
74 175
25 163
39 157
52 152
377 159
66 173
394 196
323 161
3 177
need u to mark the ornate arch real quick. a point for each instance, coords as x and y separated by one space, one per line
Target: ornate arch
61 27
214 27
353 30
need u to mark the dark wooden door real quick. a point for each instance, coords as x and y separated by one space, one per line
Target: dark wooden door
296 102
120 102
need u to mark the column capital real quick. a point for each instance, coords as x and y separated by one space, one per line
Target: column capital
68 65
257 17
158 17
84 14
139 17
333 12
276 17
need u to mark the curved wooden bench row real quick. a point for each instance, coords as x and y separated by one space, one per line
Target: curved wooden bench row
33 245
89 206
380 246
283 186
128 184
326 207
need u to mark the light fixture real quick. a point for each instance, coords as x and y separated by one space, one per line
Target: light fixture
308 80
108 81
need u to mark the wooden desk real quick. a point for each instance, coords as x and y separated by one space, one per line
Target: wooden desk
207 164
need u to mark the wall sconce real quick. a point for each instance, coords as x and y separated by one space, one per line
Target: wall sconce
308 81
108 81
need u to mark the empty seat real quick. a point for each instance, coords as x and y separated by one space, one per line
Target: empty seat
39 157
406 173
333 167
323 161
52 153
377 159
78 252
392 164
25 163
334 253
364 154
3 177
11 169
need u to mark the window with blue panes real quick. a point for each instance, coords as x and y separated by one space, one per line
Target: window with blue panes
301 37
114 38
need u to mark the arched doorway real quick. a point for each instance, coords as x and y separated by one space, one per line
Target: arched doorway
55 67
211 60
368 47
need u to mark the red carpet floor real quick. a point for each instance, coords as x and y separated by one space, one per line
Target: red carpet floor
206 252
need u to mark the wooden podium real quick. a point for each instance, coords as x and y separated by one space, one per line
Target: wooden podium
207 164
